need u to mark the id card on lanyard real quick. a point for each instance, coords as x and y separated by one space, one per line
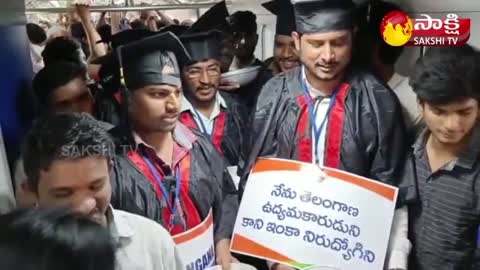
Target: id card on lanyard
317 130
171 198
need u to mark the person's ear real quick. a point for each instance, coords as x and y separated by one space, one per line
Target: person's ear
296 37
354 32
421 107
25 187
110 165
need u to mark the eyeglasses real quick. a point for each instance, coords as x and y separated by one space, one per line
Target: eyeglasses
197 73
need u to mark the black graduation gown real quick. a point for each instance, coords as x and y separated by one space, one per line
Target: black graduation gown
209 185
365 130
227 135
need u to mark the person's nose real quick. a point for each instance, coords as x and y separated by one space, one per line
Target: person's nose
286 53
453 122
204 79
86 206
328 54
172 102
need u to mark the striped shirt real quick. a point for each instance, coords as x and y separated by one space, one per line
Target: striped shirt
445 218
183 139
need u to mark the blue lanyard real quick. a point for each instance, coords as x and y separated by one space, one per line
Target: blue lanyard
317 131
202 125
172 206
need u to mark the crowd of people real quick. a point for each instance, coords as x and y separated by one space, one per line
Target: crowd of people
138 133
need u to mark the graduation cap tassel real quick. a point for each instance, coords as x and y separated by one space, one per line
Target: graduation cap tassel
124 97
122 78
120 63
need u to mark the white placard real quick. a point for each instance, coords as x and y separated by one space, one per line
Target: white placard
289 216
196 246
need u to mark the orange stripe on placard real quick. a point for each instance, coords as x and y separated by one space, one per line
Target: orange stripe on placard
382 190
244 245
198 230
265 164
268 164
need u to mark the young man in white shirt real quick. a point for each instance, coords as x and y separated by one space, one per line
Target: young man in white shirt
67 160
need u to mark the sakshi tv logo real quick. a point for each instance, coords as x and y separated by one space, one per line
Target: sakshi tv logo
397 29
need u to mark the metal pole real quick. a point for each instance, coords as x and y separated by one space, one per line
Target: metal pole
197 10
422 51
262 38
130 8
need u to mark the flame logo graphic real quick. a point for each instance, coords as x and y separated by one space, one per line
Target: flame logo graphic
396 28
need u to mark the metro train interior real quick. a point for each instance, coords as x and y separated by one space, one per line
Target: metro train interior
17 70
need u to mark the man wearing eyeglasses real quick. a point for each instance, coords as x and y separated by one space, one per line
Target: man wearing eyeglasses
203 108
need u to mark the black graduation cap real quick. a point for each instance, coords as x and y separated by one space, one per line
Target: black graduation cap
319 16
204 45
122 38
109 72
285 16
151 61
130 35
370 15
176 29
214 19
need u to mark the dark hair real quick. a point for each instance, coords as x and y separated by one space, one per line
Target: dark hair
447 74
105 32
77 30
63 136
53 76
61 49
41 239
138 24
243 22
36 34
126 107
369 17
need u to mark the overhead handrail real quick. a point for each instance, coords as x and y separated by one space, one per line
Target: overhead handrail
124 8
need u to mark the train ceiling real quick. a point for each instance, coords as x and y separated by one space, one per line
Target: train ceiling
66 3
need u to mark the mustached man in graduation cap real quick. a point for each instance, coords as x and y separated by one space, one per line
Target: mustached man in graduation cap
326 111
203 107
165 171
285 55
